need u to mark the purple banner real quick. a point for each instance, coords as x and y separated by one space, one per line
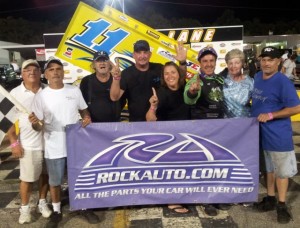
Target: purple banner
142 163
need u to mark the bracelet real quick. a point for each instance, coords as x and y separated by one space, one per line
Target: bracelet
117 78
270 115
16 143
152 108
182 63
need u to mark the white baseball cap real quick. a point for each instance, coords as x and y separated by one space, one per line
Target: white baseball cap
29 62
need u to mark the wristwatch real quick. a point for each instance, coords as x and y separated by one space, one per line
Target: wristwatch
182 63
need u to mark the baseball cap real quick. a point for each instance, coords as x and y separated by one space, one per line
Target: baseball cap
28 62
52 60
206 51
141 45
100 54
271 52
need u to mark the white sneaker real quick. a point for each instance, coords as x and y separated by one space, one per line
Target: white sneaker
25 216
44 210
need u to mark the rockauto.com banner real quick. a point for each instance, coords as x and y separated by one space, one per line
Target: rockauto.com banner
142 163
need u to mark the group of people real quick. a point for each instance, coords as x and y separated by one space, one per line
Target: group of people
154 92
41 142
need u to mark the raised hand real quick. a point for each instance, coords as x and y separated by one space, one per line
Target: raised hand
153 100
181 52
115 69
151 114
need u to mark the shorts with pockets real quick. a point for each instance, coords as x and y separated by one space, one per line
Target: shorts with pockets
283 164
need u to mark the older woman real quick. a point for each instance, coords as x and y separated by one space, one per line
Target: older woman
237 88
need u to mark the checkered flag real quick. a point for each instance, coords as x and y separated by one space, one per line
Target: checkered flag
8 113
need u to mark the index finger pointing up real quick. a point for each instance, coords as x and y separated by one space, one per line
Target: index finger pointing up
154 92
117 62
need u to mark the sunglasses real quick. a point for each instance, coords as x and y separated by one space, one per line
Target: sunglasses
102 60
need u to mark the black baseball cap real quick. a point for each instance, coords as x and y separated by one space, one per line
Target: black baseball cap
141 45
271 52
100 54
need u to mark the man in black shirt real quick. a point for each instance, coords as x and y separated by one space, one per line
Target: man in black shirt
136 81
95 89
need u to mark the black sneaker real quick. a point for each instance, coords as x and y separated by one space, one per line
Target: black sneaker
210 210
55 218
283 215
90 216
267 204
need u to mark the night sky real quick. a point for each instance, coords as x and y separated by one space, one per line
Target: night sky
205 11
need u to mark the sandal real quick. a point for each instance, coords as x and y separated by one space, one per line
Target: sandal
176 210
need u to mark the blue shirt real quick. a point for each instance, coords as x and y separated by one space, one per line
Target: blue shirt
271 95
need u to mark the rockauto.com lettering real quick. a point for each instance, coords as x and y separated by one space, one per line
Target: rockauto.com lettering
166 174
